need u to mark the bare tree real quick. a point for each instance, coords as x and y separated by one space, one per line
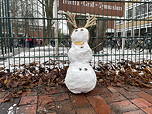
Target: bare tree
27 11
48 13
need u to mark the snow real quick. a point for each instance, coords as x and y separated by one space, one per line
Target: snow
34 55
80 53
80 77
11 110
106 55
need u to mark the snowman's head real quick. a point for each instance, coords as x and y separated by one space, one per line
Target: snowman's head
80 34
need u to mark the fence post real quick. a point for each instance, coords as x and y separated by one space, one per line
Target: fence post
56 27
9 26
1 29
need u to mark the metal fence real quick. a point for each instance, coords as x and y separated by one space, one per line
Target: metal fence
30 31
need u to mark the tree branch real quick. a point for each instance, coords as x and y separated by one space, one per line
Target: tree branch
42 3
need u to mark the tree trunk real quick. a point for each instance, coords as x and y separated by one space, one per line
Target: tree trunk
49 15
97 43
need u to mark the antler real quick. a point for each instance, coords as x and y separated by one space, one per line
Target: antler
71 19
91 22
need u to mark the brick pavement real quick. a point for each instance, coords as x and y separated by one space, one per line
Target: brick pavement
102 100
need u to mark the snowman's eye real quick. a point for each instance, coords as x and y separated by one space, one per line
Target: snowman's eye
80 69
81 29
76 30
81 47
85 69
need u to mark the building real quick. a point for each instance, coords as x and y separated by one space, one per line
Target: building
137 20
105 10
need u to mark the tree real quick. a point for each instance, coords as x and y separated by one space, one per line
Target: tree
47 6
26 10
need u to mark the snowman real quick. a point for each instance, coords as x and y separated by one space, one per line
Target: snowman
80 77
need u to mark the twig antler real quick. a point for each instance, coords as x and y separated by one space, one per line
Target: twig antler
91 22
71 19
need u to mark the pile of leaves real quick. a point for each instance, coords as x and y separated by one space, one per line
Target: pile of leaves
32 75
125 72
114 74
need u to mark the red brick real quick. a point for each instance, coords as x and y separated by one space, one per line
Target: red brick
140 102
149 91
29 93
128 94
112 89
51 113
64 107
148 110
52 91
135 112
115 98
60 97
104 92
123 106
99 105
132 88
79 100
26 109
88 110
145 96
43 100
28 100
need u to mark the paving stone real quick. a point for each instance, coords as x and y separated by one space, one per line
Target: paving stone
26 109
43 100
128 94
123 106
5 106
149 91
145 96
132 88
64 107
29 93
99 105
135 112
112 89
51 113
60 97
79 100
87 110
52 91
140 102
104 92
28 100
115 98
148 110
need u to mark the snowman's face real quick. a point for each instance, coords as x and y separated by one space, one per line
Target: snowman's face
80 34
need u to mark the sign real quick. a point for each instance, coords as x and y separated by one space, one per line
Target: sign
91 7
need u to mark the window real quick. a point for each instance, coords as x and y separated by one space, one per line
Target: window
129 13
129 33
141 11
150 9
136 32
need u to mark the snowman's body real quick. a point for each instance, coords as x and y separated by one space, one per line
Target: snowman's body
80 77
